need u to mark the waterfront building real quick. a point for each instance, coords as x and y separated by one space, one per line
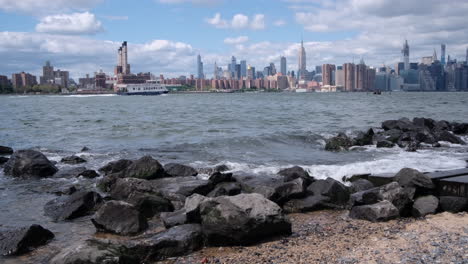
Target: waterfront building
86 82
200 74
339 76
243 68
100 80
4 82
122 60
405 52
370 82
349 76
47 74
260 75
237 71
360 77
461 77
283 65
328 73
272 68
302 67
399 67
23 79
251 72
232 66
318 70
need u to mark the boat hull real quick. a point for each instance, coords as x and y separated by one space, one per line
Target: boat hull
149 93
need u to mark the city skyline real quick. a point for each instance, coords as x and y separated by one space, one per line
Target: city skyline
82 36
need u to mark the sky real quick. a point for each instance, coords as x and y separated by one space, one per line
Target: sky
165 36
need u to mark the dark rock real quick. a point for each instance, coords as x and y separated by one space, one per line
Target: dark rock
175 218
289 190
218 177
94 252
29 163
307 204
241 219
221 168
360 185
333 189
115 166
179 170
73 160
407 177
365 197
441 125
69 172
5 150
145 168
65 190
453 204
90 174
70 207
149 205
262 184
424 122
185 186
21 240
413 146
3 160
338 143
84 149
381 211
436 145
392 135
356 177
119 217
192 207
176 241
385 144
402 124
226 188
449 137
460 128
425 205
295 172
363 139
107 182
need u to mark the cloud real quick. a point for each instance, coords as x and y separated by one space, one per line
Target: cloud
112 18
46 6
238 21
238 40
279 23
76 23
196 2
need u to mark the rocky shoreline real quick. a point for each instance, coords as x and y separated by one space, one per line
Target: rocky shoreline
144 212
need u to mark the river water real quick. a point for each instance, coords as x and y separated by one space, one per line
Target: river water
251 132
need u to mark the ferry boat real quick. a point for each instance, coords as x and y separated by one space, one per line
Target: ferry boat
150 87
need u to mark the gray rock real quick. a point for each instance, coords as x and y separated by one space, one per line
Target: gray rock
179 170
176 241
360 185
460 128
29 164
69 172
363 139
90 174
407 177
3 160
149 205
145 168
338 143
115 166
385 144
175 218
226 188
402 124
72 206
241 219
289 190
21 240
333 189
73 160
218 177
120 218
262 184
449 137
5 150
381 211
192 207
425 205
453 204
307 204
295 172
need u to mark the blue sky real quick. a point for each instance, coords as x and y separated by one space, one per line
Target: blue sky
166 35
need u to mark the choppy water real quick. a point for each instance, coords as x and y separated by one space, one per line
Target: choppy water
254 132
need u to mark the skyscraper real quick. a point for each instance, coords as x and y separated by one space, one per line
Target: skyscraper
434 56
283 65
302 62
200 67
216 71
349 80
272 68
122 60
360 76
232 67
405 52
243 69
327 74
442 54
466 59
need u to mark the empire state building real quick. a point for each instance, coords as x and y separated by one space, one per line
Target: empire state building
302 62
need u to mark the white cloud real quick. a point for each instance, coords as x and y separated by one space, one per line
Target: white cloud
258 22
76 23
116 17
279 23
46 6
238 40
238 21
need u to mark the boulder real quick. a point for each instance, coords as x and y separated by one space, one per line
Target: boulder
29 164
403 124
226 188
185 186
176 241
425 205
453 204
381 211
337 193
73 206
179 170
73 160
120 218
262 184
70 172
460 128
106 183
289 190
360 185
218 177
385 144
363 139
21 240
65 190
338 143
175 218
441 125
90 174
295 172
84 149
449 137
307 204
94 252
149 205
392 135
424 122
3 160
407 177
5 150
145 168
218 168
192 207
115 166
241 219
